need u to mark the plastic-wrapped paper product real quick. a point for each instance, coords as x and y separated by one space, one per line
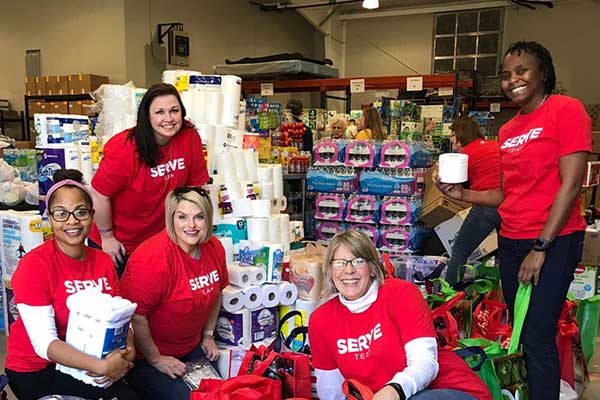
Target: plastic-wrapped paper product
196 370
332 180
12 193
361 153
330 207
329 152
394 154
363 208
395 183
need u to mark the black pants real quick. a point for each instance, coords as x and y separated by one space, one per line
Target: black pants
547 298
49 381
120 266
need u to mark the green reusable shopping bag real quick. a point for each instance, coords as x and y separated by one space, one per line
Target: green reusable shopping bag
588 312
520 312
487 372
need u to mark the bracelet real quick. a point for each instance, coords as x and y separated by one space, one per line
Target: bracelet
104 230
398 389
209 333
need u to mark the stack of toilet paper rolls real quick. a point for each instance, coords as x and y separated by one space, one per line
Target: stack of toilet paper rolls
98 324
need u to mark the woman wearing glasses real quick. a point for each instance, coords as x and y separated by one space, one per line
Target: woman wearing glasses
139 167
380 333
176 278
43 281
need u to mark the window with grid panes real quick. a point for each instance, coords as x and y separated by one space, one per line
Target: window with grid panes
468 40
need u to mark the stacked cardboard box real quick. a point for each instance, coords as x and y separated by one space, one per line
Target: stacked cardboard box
63 84
438 207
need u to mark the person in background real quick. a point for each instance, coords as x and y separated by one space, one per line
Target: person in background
42 283
176 278
338 127
139 167
351 131
370 126
380 333
544 151
484 174
296 106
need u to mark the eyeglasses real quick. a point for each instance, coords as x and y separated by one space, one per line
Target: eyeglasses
181 190
80 214
340 263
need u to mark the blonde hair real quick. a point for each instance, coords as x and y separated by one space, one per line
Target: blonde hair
360 245
200 201
338 118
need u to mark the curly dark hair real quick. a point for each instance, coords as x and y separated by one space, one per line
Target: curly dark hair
543 57
147 148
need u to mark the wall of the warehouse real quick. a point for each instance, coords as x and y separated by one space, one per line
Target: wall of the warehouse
113 37
403 45
73 36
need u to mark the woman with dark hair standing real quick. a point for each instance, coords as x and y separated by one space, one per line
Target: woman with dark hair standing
139 168
484 174
370 125
543 155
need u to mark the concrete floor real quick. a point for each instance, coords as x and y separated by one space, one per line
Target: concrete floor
592 392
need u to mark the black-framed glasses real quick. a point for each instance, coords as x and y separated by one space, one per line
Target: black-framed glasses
80 214
340 263
181 190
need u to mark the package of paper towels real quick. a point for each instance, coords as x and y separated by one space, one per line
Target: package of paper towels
453 167
21 232
244 327
98 324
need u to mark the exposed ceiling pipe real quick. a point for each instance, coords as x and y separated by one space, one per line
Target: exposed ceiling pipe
279 5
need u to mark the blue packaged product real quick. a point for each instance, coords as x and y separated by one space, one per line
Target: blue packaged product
376 182
394 154
326 230
330 207
370 230
400 210
420 156
329 153
361 154
363 208
332 180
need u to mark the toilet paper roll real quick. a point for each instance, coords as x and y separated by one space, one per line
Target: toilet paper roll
306 308
284 220
274 228
233 187
277 181
87 167
266 190
231 87
270 295
279 204
259 276
212 107
261 209
227 243
258 229
213 193
240 276
288 293
252 297
232 298
226 164
251 164
187 98
453 167
196 113
220 138
264 173
240 164
242 208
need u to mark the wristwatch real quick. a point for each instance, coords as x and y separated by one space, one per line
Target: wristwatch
208 332
541 244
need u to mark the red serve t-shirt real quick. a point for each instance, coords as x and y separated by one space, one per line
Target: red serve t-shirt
174 291
369 346
47 276
137 192
530 148
484 164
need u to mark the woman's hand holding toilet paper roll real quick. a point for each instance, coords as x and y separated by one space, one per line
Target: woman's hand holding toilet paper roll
452 190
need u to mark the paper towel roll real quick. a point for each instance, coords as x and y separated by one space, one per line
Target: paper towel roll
277 181
231 87
270 295
240 164
213 192
264 173
226 164
284 220
196 113
227 243
233 187
233 299
306 307
242 208
258 229
266 190
87 167
288 293
251 164
240 276
72 156
252 297
187 98
261 209
275 228
213 107
453 167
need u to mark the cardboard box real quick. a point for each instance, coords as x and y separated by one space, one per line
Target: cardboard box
57 107
591 247
30 86
86 107
75 107
438 207
42 85
85 83
584 282
37 107
592 177
448 230
595 141
58 85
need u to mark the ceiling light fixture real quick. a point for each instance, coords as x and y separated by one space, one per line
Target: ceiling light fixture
370 4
